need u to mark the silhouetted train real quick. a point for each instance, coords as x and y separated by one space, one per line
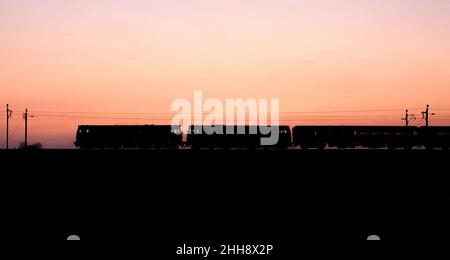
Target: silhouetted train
163 136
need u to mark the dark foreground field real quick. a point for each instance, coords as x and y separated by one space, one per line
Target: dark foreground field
171 197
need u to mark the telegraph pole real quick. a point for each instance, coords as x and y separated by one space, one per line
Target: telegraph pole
25 117
406 118
8 116
426 115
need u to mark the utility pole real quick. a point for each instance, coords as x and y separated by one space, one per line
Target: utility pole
25 117
8 116
406 118
426 115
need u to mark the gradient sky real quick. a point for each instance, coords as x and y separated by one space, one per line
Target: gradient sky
139 55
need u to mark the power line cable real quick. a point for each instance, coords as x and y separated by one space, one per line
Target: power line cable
159 118
171 113
12 135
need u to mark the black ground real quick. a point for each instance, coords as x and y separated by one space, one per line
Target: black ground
171 197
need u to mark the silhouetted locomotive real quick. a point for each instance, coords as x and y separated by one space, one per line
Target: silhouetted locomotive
164 136
128 137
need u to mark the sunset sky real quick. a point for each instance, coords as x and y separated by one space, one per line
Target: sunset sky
72 61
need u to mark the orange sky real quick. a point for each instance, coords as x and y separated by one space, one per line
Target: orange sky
138 56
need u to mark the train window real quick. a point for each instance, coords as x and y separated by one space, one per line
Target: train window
176 131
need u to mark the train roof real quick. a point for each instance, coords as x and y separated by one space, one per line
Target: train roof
105 126
238 125
352 126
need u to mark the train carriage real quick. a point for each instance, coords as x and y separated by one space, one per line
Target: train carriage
234 137
353 136
435 137
385 136
128 137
